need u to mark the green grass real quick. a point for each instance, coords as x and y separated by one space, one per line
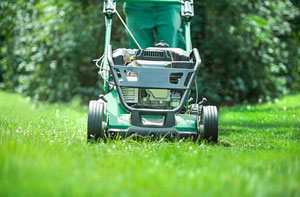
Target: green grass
43 151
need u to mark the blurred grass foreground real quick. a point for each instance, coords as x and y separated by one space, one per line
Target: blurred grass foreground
44 153
251 54
250 49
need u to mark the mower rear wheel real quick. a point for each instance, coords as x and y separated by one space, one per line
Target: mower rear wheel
210 123
95 126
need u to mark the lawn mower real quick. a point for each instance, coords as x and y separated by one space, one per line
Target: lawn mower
147 91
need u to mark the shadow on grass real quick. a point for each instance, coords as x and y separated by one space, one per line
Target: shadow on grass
227 132
268 109
280 129
260 125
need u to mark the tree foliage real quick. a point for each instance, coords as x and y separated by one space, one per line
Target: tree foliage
247 49
250 49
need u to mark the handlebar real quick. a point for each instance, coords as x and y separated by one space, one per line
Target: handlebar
152 1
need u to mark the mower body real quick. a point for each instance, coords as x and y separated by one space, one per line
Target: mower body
147 91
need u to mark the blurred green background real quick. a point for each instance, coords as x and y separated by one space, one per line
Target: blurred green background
250 48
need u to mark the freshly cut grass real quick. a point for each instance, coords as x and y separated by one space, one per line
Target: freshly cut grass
43 151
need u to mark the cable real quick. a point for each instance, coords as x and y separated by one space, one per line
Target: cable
97 61
124 24
196 86
101 58
101 68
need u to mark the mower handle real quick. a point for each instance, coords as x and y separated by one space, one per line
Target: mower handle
152 1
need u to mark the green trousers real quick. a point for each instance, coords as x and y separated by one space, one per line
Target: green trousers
154 24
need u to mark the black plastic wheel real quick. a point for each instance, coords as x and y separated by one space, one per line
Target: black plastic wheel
95 121
210 121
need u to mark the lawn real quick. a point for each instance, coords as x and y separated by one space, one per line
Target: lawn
43 151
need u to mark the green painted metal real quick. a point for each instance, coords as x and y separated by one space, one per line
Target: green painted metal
107 42
151 1
188 40
186 122
119 118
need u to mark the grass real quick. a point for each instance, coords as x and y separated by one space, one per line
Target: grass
43 152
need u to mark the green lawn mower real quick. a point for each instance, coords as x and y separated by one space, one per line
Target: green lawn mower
147 90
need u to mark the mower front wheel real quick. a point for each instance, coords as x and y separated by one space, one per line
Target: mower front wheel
96 124
210 123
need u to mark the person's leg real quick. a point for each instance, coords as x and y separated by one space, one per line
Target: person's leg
141 24
168 23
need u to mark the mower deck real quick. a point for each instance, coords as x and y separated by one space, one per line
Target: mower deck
119 123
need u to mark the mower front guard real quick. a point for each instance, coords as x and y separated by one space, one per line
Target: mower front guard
153 78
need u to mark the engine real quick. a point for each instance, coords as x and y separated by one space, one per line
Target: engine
153 57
